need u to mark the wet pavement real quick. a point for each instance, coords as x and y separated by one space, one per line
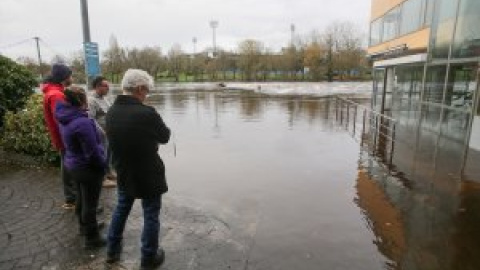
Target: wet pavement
258 182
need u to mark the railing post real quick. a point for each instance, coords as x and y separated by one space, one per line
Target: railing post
363 127
392 137
375 135
336 109
354 120
341 113
348 115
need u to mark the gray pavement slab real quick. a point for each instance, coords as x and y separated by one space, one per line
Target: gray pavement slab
36 233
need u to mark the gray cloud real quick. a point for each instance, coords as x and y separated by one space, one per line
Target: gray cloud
138 23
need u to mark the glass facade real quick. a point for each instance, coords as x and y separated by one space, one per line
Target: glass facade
467 32
391 23
412 17
444 25
408 17
376 30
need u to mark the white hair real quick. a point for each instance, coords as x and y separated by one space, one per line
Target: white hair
134 78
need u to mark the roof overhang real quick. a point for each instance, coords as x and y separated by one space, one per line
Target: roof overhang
408 59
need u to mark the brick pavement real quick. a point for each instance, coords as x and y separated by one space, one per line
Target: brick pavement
36 233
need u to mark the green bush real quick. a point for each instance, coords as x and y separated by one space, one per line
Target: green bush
25 132
16 85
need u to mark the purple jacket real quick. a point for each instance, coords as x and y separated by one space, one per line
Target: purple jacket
83 146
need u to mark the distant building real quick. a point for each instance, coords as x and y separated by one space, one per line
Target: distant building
425 55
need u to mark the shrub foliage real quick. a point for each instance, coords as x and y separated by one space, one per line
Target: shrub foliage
25 131
16 85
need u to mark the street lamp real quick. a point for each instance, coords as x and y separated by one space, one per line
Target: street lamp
214 25
194 40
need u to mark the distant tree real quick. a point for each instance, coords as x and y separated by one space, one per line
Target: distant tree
149 59
176 61
113 63
77 63
250 53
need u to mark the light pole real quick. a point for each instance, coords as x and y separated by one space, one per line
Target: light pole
194 40
214 25
292 30
86 34
194 69
40 69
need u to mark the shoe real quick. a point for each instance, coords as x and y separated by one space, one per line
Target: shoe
95 242
113 257
68 206
107 183
82 230
153 262
111 176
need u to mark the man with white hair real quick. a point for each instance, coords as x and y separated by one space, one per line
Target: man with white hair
134 131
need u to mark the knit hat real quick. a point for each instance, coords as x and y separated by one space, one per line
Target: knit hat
60 73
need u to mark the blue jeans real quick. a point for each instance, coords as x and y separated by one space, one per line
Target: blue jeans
151 224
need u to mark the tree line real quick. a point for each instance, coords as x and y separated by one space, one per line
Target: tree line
337 53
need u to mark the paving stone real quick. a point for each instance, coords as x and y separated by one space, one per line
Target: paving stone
35 233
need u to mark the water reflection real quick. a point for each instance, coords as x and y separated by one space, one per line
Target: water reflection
432 224
281 171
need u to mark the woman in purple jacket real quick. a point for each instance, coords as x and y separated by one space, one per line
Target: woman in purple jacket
84 160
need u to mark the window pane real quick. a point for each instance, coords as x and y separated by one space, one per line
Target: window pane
467 36
443 30
429 5
391 24
461 86
376 32
411 16
434 84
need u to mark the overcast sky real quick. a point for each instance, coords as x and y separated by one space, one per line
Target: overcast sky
138 23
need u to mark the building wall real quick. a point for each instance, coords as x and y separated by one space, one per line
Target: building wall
380 7
414 41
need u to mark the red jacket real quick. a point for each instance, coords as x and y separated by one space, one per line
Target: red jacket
52 93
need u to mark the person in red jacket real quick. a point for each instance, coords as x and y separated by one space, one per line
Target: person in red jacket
60 77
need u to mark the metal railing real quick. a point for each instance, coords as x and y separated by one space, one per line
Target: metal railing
373 130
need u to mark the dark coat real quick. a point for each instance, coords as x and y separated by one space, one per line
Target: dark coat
83 144
134 131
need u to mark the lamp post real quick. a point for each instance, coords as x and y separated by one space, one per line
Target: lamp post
194 69
40 69
214 25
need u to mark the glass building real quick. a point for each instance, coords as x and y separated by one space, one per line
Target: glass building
425 55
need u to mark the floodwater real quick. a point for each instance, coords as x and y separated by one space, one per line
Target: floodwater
281 173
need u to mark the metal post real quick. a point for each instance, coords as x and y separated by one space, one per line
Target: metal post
354 120
341 113
85 22
363 127
392 137
348 115
86 32
336 109
40 69
375 135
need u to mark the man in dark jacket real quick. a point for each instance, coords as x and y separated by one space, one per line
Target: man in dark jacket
134 131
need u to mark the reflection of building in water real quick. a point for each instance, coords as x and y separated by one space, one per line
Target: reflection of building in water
425 55
420 227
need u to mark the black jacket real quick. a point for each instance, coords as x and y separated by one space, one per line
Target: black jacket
134 131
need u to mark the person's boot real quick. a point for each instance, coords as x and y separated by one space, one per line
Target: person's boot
113 256
82 230
93 239
153 262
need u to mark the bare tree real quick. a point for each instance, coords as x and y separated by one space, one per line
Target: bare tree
250 52
114 60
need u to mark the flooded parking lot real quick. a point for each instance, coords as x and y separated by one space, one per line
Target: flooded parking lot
282 171
263 182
